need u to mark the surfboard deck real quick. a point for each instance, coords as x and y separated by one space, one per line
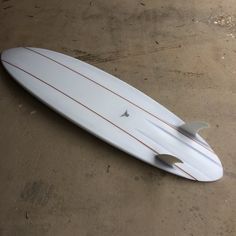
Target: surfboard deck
114 111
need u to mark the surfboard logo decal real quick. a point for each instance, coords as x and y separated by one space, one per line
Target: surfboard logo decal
125 114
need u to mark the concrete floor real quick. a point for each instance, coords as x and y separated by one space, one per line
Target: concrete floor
56 179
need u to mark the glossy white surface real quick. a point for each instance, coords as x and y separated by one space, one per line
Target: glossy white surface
112 110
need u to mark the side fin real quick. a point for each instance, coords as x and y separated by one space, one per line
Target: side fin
193 127
168 159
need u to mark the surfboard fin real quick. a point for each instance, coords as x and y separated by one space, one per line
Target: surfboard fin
168 159
193 127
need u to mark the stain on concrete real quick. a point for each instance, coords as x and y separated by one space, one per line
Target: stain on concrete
7 7
108 168
37 193
187 73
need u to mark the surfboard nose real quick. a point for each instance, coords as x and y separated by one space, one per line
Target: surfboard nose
10 54
6 53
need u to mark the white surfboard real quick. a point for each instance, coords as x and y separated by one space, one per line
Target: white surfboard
115 112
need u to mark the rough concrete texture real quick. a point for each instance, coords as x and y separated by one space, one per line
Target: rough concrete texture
56 179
